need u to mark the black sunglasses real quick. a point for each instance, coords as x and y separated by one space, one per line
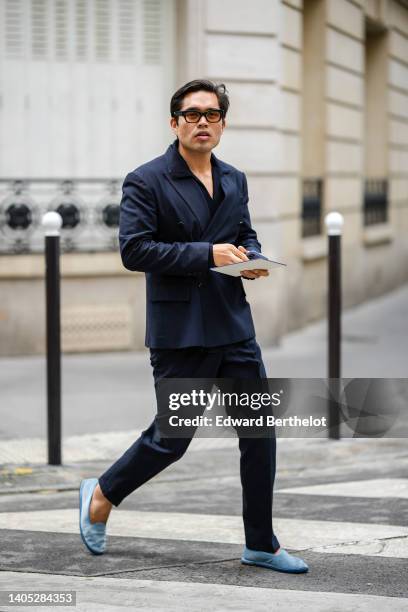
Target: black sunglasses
213 115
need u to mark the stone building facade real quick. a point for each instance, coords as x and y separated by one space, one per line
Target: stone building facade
318 121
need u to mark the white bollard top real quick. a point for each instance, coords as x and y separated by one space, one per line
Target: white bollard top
334 223
52 222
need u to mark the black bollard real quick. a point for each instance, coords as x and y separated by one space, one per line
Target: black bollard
334 223
52 222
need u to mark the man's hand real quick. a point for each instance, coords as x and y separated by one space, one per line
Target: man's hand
252 273
225 254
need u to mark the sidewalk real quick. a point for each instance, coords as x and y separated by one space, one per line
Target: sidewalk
175 543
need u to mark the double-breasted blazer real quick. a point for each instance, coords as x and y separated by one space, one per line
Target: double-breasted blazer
167 232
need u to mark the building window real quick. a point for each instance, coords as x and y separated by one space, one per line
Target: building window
375 201
313 115
312 207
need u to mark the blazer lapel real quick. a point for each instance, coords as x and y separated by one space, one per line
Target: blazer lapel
228 212
179 176
187 191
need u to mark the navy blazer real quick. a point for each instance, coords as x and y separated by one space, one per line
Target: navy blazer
166 231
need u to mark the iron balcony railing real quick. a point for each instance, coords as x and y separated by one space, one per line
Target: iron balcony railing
89 209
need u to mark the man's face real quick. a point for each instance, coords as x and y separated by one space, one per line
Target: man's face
202 136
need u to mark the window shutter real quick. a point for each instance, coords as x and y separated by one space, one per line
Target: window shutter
81 30
152 29
61 30
126 22
102 30
39 33
14 29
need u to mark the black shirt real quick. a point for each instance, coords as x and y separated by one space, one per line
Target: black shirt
218 194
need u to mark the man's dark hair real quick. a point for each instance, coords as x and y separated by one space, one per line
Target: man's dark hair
200 85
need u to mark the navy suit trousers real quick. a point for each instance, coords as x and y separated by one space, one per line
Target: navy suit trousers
150 454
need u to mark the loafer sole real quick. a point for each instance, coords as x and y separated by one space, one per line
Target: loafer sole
271 567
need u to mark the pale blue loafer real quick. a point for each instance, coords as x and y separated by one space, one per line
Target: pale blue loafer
280 562
93 534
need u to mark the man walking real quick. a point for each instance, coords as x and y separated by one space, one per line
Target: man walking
181 214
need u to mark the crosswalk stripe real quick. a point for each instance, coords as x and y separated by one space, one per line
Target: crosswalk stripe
393 547
109 594
295 534
376 487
